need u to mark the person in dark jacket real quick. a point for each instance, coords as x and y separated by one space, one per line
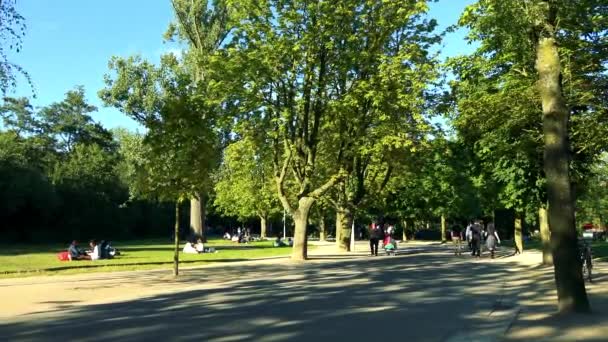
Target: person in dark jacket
476 230
375 235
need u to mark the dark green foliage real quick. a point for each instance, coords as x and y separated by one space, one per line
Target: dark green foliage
60 177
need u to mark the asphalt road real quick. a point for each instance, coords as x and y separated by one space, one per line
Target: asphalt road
429 295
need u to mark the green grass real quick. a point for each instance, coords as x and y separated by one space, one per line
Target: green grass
29 260
599 248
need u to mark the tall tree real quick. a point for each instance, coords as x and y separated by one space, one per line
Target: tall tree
181 135
204 25
556 49
315 66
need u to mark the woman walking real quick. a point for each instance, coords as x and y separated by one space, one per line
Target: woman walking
492 239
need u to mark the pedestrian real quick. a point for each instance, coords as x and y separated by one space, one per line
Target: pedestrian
456 239
476 230
492 239
375 234
468 236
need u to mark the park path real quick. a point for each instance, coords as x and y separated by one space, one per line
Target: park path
425 294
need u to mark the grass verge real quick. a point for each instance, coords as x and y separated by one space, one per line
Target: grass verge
29 260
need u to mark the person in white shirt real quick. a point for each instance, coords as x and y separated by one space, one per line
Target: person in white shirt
468 235
189 248
95 255
200 247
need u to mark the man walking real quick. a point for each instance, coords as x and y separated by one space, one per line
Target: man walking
375 234
476 230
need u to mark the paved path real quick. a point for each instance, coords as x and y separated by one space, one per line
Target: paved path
429 295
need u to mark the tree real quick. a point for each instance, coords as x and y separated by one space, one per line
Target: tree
244 186
181 138
552 46
204 25
314 69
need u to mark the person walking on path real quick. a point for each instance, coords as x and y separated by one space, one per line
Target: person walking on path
375 235
476 229
492 239
467 235
457 239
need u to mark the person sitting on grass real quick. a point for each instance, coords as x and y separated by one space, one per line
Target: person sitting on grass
94 254
75 254
189 248
200 247
278 242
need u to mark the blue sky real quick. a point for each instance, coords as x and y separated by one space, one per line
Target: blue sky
69 43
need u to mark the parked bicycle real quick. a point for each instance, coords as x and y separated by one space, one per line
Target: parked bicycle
586 259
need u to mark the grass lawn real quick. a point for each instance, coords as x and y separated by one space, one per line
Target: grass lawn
27 260
599 248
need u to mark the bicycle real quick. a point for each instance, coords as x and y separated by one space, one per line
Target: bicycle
586 259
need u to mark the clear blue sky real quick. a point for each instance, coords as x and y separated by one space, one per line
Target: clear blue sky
69 43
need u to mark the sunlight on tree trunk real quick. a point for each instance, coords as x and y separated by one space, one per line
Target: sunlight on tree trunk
263 226
571 293
545 236
518 235
196 224
176 239
322 229
300 237
404 223
338 233
443 228
344 220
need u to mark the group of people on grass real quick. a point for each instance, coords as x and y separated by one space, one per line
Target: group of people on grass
280 243
197 247
475 234
240 235
102 250
377 233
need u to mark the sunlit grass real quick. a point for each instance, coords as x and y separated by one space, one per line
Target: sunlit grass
27 260
599 248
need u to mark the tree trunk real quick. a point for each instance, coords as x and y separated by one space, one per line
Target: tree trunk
176 240
203 216
196 224
404 222
263 226
518 236
338 232
300 237
344 221
443 236
322 229
545 236
571 293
